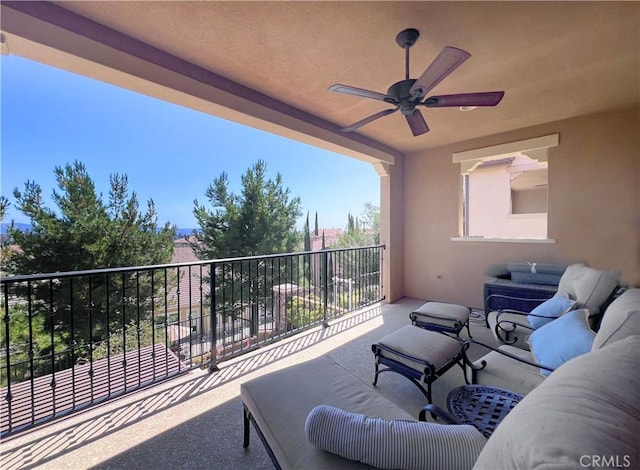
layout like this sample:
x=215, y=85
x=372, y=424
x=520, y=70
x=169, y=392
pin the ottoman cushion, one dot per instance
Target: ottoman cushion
x=434, y=348
x=443, y=314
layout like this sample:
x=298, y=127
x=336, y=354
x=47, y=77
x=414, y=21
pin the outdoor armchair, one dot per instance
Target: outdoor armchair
x=580, y=287
x=552, y=345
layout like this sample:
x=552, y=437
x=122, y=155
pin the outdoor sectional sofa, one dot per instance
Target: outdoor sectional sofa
x=318, y=415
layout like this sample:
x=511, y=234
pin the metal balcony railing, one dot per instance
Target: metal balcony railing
x=73, y=340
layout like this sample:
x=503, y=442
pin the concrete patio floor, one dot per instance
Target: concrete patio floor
x=195, y=421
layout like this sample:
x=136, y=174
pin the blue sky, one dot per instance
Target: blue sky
x=170, y=154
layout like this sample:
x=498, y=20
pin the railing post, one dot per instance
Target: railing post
x=325, y=286
x=213, y=366
x=381, y=294
x=7, y=319
x=253, y=299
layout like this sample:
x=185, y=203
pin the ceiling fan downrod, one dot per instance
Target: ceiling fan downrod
x=405, y=39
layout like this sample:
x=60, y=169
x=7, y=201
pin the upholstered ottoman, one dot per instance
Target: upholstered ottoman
x=420, y=355
x=438, y=316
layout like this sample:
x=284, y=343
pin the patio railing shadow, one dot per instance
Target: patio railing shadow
x=61, y=436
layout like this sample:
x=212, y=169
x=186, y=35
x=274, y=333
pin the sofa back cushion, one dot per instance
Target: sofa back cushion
x=590, y=287
x=621, y=319
x=587, y=409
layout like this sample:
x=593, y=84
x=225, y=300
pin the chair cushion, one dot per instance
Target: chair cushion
x=393, y=444
x=441, y=313
x=435, y=348
x=590, y=287
x=587, y=408
x=556, y=306
x=621, y=319
x=562, y=339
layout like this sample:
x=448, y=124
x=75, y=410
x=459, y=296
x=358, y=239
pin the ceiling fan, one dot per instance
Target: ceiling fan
x=409, y=93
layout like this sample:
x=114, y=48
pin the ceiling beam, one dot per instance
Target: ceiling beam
x=48, y=33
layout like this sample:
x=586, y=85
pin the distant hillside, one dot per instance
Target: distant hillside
x=4, y=227
x=184, y=232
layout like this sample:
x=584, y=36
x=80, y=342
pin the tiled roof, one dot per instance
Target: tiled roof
x=182, y=251
x=189, y=284
x=83, y=384
x=331, y=236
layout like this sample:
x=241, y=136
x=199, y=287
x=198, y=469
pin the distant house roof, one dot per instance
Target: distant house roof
x=331, y=236
x=5, y=255
x=183, y=252
x=88, y=383
x=189, y=286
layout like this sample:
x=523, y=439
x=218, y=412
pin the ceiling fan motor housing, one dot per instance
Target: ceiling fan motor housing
x=399, y=91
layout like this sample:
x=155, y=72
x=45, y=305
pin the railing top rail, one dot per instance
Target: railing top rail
x=125, y=269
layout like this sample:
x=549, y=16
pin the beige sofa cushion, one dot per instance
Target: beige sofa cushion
x=588, y=408
x=621, y=319
x=280, y=402
x=590, y=287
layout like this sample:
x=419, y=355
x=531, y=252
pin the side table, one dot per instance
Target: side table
x=481, y=406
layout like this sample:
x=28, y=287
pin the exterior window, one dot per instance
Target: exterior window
x=506, y=198
x=505, y=189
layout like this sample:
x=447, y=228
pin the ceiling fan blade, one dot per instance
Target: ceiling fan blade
x=367, y=120
x=489, y=98
x=351, y=90
x=449, y=59
x=417, y=123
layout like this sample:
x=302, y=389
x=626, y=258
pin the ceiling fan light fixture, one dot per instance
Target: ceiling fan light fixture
x=467, y=108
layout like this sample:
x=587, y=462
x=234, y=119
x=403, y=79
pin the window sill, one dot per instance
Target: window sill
x=503, y=240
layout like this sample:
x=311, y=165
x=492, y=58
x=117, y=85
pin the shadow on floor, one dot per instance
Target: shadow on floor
x=210, y=436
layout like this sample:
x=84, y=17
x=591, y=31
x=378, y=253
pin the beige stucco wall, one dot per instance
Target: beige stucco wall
x=594, y=209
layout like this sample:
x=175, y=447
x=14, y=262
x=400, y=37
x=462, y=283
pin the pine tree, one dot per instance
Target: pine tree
x=258, y=221
x=86, y=233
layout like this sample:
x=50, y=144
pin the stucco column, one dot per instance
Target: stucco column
x=392, y=227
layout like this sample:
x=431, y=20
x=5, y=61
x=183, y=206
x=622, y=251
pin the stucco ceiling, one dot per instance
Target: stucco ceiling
x=554, y=60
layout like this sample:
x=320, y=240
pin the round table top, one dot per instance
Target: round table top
x=481, y=406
